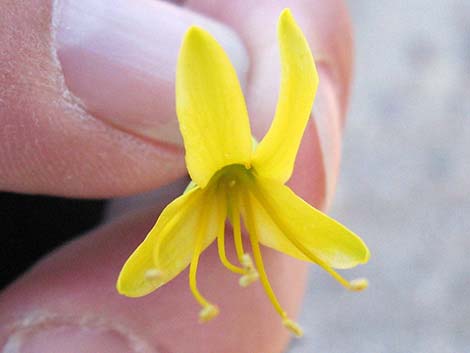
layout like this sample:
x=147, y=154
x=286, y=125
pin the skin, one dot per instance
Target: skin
x=47, y=146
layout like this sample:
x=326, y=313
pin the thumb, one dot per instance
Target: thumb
x=87, y=94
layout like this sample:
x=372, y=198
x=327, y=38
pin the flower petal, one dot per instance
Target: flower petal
x=174, y=250
x=211, y=109
x=279, y=211
x=275, y=156
x=176, y=225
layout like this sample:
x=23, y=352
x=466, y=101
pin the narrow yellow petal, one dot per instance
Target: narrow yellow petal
x=174, y=250
x=140, y=276
x=169, y=246
x=211, y=109
x=280, y=213
x=275, y=155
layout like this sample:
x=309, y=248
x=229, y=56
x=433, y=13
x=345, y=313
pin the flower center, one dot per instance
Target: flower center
x=232, y=181
x=231, y=176
x=234, y=188
x=233, y=184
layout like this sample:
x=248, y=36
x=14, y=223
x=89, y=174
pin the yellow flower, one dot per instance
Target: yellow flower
x=234, y=178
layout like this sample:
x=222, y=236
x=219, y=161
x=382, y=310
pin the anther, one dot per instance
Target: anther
x=153, y=274
x=232, y=183
x=358, y=284
x=248, y=279
x=251, y=275
x=293, y=327
x=247, y=262
x=208, y=312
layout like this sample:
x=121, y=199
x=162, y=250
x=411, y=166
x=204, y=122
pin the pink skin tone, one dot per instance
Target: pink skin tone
x=54, y=143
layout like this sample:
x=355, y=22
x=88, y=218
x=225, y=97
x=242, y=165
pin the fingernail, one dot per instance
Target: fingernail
x=327, y=116
x=71, y=338
x=119, y=56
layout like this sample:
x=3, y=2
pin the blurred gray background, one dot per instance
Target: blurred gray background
x=404, y=186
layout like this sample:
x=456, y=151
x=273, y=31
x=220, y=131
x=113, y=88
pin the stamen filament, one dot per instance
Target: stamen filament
x=222, y=255
x=192, y=273
x=222, y=207
x=259, y=262
x=354, y=285
x=208, y=310
x=250, y=274
x=291, y=325
x=263, y=276
x=234, y=217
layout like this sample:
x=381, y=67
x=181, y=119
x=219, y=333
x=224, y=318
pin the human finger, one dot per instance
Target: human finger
x=248, y=323
x=87, y=94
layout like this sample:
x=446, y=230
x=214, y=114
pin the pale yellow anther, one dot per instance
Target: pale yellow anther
x=358, y=284
x=208, y=312
x=232, y=183
x=153, y=274
x=251, y=275
x=247, y=262
x=248, y=279
x=293, y=327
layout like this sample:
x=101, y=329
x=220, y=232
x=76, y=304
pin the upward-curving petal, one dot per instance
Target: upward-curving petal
x=211, y=109
x=275, y=155
x=168, y=247
x=280, y=214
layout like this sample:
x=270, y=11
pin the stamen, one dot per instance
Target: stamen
x=247, y=262
x=354, y=285
x=192, y=280
x=359, y=284
x=248, y=279
x=293, y=327
x=221, y=239
x=209, y=311
x=237, y=234
x=263, y=276
x=259, y=262
x=250, y=274
x=223, y=256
